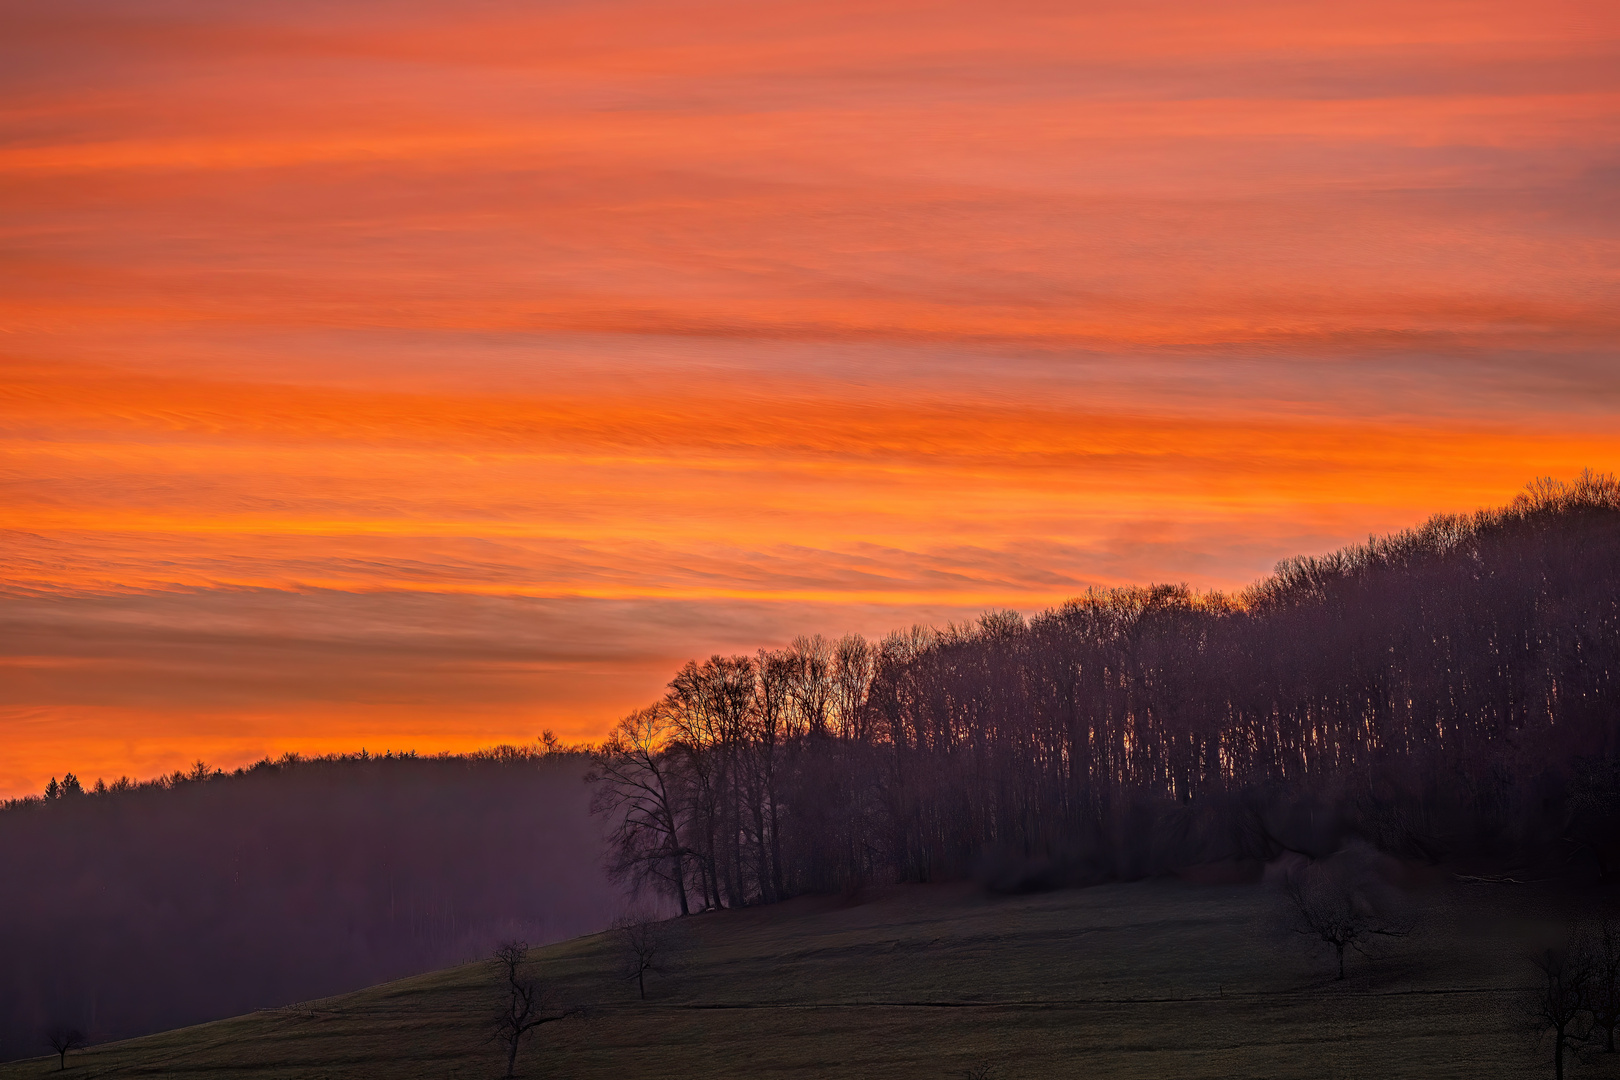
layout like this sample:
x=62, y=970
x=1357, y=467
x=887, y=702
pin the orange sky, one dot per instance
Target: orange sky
x=423, y=375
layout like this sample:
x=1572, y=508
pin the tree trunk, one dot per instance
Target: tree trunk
x=1558, y=1053
x=713, y=881
x=776, y=848
x=511, y=1057
x=680, y=882
x=1341, y=961
x=766, y=894
x=641, y=982
x=739, y=898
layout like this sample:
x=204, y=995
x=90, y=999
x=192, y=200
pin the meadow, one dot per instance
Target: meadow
x=1158, y=978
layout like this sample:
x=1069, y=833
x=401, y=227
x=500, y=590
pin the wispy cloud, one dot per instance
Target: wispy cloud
x=399, y=372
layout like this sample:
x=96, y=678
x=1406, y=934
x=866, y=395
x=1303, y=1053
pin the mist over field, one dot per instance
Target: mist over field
x=134, y=911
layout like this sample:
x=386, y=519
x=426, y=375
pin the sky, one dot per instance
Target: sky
x=425, y=375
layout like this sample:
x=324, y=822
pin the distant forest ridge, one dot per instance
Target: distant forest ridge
x=208, y=894
x=70, y=786
x=1445, y=693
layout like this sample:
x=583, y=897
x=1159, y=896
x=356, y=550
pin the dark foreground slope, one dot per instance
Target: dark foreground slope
x=1149, y=979
x=137, y=910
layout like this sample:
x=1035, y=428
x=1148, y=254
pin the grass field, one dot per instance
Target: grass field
x=1151, y=979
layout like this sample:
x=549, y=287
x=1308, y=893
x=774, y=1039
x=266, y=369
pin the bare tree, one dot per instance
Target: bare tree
x=644, y=944
x=1561, y=998
x=62, y=1039
x=768, y=725
x=812, y=686
x=1602, y=962
x=709, y=705
x=635, y=778
x=523, y=1005
x=1337, y=904
x=854, y=664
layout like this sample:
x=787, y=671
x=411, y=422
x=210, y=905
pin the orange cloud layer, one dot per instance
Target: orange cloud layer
x=405, y=375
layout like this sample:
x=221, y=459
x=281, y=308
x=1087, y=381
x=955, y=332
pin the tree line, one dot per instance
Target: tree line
x=548, y=748
x=1445, y=692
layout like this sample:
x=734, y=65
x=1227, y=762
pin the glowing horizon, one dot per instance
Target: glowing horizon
x=402, y=376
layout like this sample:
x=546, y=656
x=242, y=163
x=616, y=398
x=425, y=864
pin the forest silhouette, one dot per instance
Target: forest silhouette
x=1444, y=694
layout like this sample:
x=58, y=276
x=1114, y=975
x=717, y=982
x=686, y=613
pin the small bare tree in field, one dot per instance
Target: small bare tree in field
x=1560, y=1000
x=644, y=944
x=523, y=1004
x=1342, y=908
x=62, y=1039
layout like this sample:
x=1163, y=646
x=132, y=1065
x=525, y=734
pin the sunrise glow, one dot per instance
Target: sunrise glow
x=377, y=375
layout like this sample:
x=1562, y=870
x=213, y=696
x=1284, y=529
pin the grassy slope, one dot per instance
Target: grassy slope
x=1153, y=979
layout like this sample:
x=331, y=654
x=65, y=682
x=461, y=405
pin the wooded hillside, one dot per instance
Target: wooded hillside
x=208, y=894
x=1446, y=693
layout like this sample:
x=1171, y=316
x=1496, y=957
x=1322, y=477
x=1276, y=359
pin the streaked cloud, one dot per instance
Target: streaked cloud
x=402, y=373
